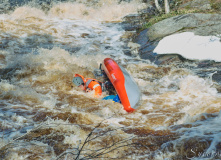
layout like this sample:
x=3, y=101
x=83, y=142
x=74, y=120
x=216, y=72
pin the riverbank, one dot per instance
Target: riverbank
x=190, y=33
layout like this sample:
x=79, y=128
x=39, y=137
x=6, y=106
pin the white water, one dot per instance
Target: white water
x=40, y=54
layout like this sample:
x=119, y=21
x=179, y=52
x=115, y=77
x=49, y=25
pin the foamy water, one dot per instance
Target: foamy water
x=44, y=116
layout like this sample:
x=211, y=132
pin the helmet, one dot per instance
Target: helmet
x=78, y=81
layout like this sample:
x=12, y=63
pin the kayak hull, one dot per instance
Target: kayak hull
x=127, y=89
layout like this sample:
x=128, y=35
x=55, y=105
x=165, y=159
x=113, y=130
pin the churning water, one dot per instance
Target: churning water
x=44, y=116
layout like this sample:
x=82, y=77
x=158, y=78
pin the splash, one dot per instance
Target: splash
x=28, y=12
x=202, y=97
x=104, y=10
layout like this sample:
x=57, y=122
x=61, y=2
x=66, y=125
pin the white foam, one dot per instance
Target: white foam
x=72, y=140
x=199, y=94
x=115, y=121
x=191, y=46
x=19, y=119
x=104, y=10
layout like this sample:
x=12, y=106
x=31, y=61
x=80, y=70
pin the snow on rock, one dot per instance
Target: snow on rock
x=191, y=46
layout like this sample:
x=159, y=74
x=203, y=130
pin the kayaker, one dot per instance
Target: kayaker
x=107, y=86
x=88, y=84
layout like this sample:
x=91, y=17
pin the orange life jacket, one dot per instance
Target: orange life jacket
x=92, y=84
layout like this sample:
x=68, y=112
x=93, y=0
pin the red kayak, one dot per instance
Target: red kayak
x=127, y=89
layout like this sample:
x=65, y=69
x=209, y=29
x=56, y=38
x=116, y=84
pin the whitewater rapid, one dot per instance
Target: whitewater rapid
x=44, y=116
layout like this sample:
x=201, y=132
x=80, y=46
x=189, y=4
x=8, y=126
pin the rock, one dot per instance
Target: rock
x=134, y=48
x=142, y=38
x=133, y=22
x=199, y=23
x=127, y=38
x=197, y=4
x=146, y=46
x=128, y=35
x=165, y=59
x=217, y=77
x=148, y=12
x=208, y=64
x=127, y=51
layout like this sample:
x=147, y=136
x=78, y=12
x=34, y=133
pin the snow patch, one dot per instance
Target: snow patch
x=191, y=46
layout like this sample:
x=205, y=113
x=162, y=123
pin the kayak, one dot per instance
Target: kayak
x=127, y=89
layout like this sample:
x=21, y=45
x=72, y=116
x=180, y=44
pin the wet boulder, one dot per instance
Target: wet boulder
x=217, y=77
x=146, y=46
x=198, y=23
x=209, y=64
x=132, y=22
x=166, y=59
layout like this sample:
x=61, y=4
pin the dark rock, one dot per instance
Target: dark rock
x=127, y=52
x=217, y=77
x=147, y=52
x=129, y=27
x=165, y=59
x=132, y=22
x=146, y=46
x=206, y=64
x=142, y=38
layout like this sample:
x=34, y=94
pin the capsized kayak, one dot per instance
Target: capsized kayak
x=127, y=89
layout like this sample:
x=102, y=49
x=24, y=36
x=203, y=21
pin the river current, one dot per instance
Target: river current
x=44, y=116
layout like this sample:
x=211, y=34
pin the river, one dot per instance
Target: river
x=44, y=116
